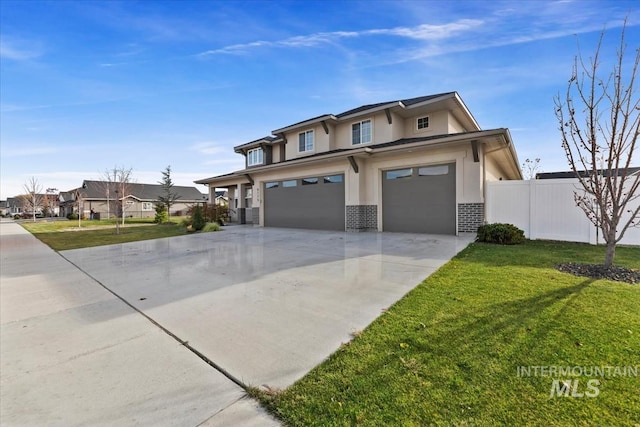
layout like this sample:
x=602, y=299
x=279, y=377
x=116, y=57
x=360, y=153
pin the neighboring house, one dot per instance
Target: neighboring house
x=14, y=206
x=570, y=174
x=67, y=203
x=4, y=208
x=105, y=199
x=221, y=198
x=412, y=165
x=18, y=206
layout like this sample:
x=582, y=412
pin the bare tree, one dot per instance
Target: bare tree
x=117, y=188
x=530, y=168
x=32, y=199
x=599, y=118
x=49, y=202
x=168, y=197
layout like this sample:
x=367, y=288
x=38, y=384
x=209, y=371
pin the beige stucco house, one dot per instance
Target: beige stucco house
x=412, y=165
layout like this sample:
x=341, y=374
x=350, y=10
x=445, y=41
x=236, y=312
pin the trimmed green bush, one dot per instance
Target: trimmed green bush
x=211, y=226
x=72, y=216
x=502, y=234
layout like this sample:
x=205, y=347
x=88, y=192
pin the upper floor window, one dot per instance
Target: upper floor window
x=255, y=157
x=361, y=132
x=423, y=123
x=305, y=141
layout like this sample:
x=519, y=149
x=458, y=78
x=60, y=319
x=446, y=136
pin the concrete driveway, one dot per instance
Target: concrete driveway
x=73, y=354
x=266, y=305
x=156, y=332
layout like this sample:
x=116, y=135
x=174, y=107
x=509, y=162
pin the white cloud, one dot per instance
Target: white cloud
x=429, y=32
x=420, y=32
x=18, y=51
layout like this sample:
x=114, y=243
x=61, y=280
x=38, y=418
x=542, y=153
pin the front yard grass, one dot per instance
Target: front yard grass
x=448, y=353
x=63, y=235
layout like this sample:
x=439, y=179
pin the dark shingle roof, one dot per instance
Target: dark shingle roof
x=406, y=102
x=255, y=142
x=147, y=192
x=571, y=174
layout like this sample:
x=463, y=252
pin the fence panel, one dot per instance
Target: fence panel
x=545, y=209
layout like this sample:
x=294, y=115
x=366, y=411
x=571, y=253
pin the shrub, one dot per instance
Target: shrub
x=503, y=234
x=212, y=212
x=211, y=226
x=161, y=214
x=72, y=216
x=197, y=220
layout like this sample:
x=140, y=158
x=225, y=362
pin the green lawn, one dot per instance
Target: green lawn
x=448, y=353
x=63, y=235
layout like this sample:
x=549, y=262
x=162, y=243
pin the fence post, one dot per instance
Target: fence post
x=531, y=211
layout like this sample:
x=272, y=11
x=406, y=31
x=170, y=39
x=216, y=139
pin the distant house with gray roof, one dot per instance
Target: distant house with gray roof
x=106, y=199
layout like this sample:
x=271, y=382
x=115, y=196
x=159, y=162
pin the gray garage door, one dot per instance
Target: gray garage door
x=420, y=199
x=314, y=202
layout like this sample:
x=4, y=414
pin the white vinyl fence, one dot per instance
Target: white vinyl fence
x=545, y=209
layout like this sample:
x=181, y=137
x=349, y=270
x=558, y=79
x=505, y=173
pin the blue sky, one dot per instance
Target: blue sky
x=89, y=85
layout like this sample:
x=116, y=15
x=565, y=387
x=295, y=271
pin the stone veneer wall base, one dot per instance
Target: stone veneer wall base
x=470, y=217
x=361, y=218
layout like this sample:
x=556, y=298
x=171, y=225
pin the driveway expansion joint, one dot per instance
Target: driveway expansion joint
x=182, y=342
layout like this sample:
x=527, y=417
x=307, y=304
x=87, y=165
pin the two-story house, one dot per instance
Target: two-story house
x=412, y=165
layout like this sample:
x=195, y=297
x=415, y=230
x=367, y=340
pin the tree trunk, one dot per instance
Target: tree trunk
x=610, y=254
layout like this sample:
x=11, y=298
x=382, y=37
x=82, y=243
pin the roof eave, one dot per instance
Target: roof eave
x=372, y=110
x=306, y=123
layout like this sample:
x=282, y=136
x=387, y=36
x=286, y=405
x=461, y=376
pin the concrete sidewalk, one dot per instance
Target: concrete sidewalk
x=71, y=353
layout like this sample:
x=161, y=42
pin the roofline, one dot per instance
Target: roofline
x=369, y=150
x=305, y=123
x=277, y=133
x=257, y=142
x=458, y=98
x=373, y=110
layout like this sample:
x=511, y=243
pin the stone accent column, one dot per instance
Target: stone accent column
x=470, y=217
x=361, y=218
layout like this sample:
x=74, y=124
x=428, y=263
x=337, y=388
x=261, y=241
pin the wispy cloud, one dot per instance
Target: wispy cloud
x=27, y=151
x=18, y=50
x=208, y=148
x=425, y=32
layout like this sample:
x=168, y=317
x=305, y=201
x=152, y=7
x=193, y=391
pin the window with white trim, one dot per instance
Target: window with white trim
x=255, y=157
x=422, y=123
x=361, y=132
x=147, y=206
x=305, y=141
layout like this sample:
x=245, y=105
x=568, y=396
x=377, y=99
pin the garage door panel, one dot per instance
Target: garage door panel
x=423, y=201
x=316, y=206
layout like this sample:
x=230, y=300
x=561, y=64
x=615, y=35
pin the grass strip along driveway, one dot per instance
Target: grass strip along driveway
x=449, y=352
x=63, y=235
